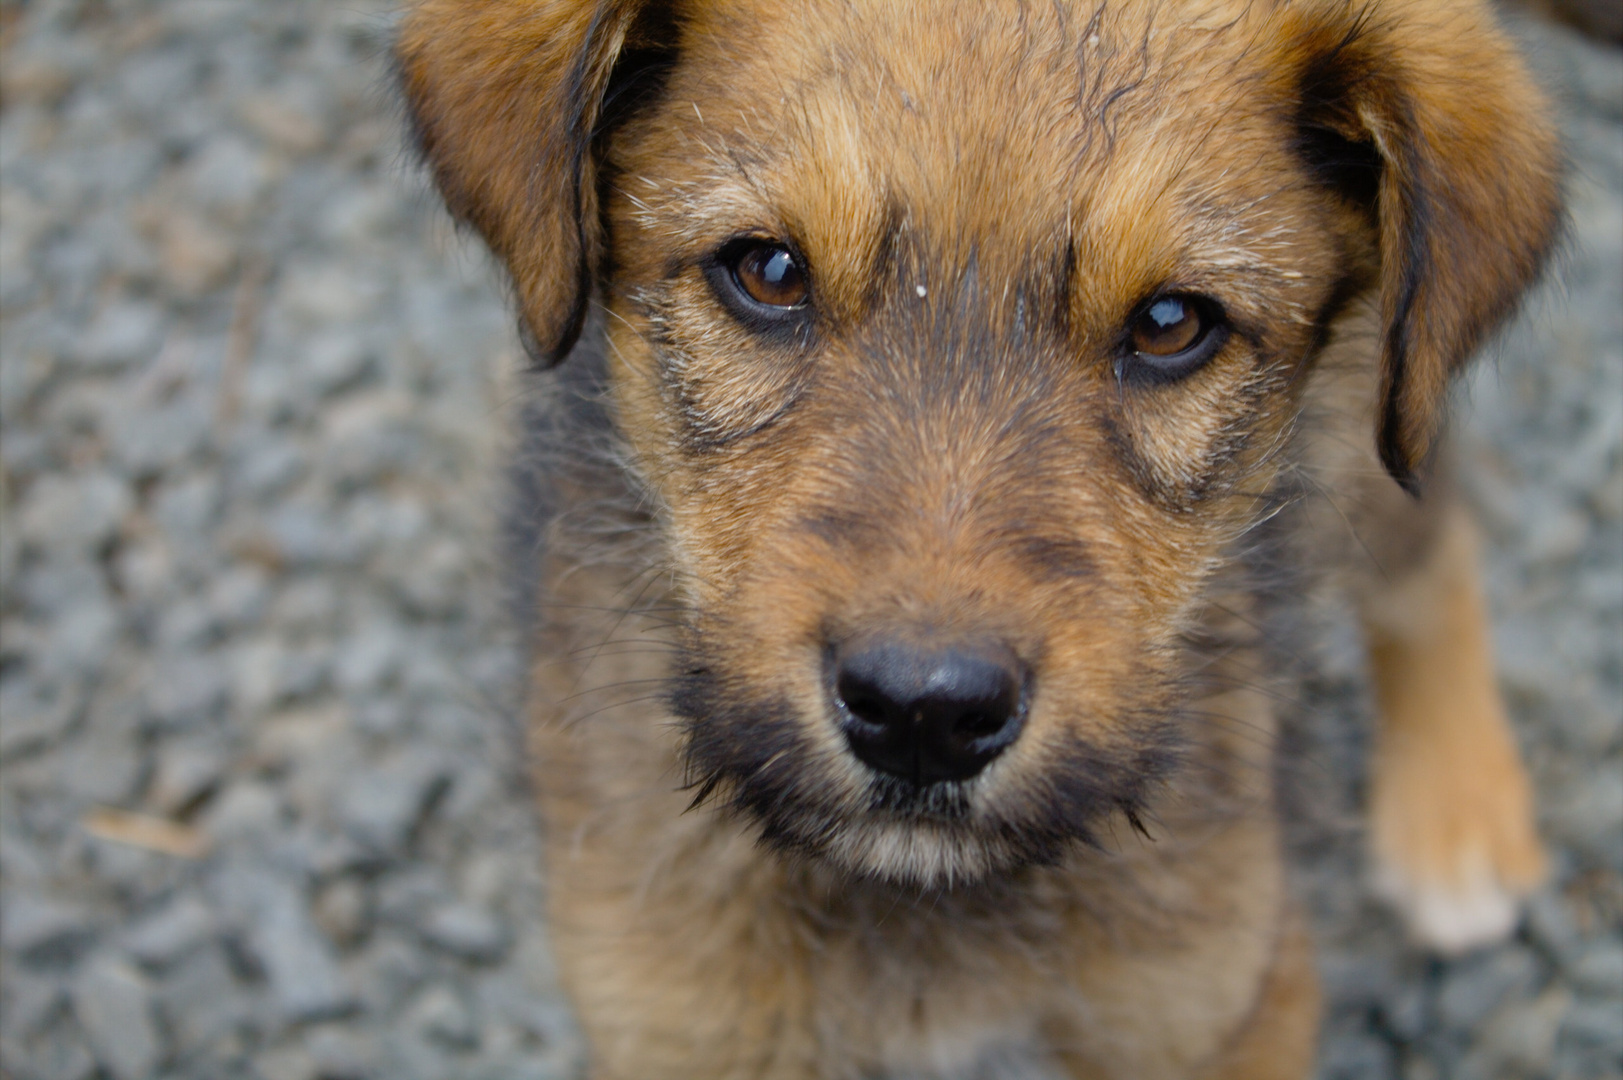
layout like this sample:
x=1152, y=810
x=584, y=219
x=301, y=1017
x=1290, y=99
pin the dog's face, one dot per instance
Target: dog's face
x=959, y=346
x=956, y=366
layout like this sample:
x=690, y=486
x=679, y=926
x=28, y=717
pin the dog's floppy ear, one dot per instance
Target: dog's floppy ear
x=1423, y=112
x=505, y=97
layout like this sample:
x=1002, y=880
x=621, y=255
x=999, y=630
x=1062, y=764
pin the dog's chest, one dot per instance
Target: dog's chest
x=958, y=1043
x=990, y=1059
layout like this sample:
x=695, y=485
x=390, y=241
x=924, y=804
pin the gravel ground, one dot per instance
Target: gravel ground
x=260, y=813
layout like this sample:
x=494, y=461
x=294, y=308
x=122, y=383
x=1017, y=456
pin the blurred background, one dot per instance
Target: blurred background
x=261, y=812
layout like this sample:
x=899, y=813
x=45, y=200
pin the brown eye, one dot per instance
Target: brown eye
x=1167, y=327
x=770, y=275
x=1172, y=336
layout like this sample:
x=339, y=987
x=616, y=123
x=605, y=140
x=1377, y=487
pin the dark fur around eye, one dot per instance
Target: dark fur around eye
x=1170, y=336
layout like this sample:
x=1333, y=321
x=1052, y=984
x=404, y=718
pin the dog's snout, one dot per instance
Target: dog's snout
x=928, y=715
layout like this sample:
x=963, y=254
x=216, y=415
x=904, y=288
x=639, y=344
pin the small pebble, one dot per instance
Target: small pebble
x=113, y=1004
x=163, y=936
x=471, y=932
x=440, y=1014
x=1599, y=969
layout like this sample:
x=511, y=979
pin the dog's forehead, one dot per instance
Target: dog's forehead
x=991, y=125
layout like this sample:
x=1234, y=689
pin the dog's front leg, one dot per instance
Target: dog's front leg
x=1451, y=816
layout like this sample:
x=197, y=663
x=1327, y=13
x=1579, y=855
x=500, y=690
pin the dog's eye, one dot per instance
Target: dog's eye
x=1167, y=327
x=770, y=274
x=1174, y=334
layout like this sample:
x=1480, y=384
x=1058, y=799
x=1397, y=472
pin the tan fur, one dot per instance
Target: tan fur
x=948, y=450
x=1451, y=818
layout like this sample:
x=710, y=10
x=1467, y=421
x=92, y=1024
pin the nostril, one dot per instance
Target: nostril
x=928, y=715
x=978, y=725
x=862, y=699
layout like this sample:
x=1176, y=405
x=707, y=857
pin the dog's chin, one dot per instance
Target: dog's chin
x=941, y=837
x=925, y=855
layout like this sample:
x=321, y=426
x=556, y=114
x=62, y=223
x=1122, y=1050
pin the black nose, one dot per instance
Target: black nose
x=928, y=716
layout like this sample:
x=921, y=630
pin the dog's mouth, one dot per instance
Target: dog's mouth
x=900, y=793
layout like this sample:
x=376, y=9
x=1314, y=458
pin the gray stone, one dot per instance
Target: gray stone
x=369, y=435
x=151, y=82
x=435, y=583
x=388, y=969
x=186, y=509
x=405, y=895
x=185, y=625
x=1595, y=1024
x=81, y=639
x=26, y=221
x=1476, y=985
x=1599, y=968
x=441, y=1014
x=134, y=873
x=305, y=670
x=45, y=930
x=271, y=397
x=267, y=673
x=381, y=807
x=378, y=522
x=1594, y=803
x=104, y=764
x=341, y=1054
x=380, y=717
x=164, y=936
x=323, y=293
x=29, y=1002
x=1521, y=1035
x=187, y=689
x=202, y=1002
x=1357, y=1057
x=229, y=175
x=1550, y=921
x=369, y=658
x=265, y=466
x=113, y=1004
x=335, y=362
x=78, y=512
x=57, y=1053
x=246, y=810
x=22, y=860
x=287, y=1063
x=122, y=334
x=35, y=715
x=186, y=773
x=304, y=975
x=68, y=578
x=239, y=596
x=144, y=569
x=497, y=1068
x=1406, y=1010
x=471, y=932
x=308, y=604
x=414, y=1058
x=256, y=673
x=147, y=443
x=342, y=910
x=304, y=537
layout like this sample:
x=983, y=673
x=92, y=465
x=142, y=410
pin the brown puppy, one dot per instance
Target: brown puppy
x=969, y=379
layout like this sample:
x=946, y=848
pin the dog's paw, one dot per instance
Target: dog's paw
x=1455, y=848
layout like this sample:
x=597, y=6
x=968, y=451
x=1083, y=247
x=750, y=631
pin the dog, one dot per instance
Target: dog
x=950, y=399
